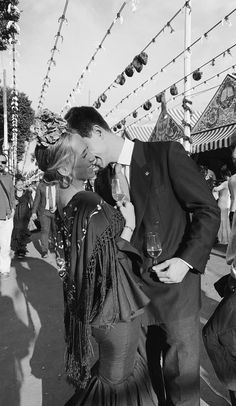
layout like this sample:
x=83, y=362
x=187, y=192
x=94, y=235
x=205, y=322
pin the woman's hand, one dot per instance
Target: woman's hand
x=127, y=210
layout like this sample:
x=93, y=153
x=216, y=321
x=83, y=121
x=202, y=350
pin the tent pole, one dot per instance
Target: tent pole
x=187, y=76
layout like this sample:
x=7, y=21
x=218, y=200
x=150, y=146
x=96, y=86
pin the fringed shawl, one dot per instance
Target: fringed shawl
x=92, y=260
x=90, y=272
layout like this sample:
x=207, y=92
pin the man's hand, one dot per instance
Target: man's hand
x=171, y=271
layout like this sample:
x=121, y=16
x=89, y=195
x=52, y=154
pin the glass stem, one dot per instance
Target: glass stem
x=154, y=262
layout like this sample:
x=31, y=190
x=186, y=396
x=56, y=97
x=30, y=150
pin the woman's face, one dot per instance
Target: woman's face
x=85, y=162
x=19, y=185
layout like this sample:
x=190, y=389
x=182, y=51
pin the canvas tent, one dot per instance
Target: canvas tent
x=218, y=121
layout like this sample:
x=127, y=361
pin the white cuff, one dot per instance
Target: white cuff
x=233, y=271
x=190, y=266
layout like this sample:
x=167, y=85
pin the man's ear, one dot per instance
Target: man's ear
x=97, y=131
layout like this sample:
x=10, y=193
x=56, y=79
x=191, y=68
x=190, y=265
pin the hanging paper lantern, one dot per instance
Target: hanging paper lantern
x=137, y=64
x=103, y=97
x=135, y=114
x=197, y=74
x=159, y=98
x=97, y=104
x=129, y=71
x=114, y=129
x=147, y=105
x=120, y=80
x=173, y=90
x=143, y=58
x=119, y=126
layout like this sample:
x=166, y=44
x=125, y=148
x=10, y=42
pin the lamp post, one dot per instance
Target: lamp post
x=187, y=76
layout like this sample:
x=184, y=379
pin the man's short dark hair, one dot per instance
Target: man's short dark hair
x=82, y=119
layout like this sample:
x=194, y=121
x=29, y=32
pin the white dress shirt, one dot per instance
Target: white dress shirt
x=125, y=158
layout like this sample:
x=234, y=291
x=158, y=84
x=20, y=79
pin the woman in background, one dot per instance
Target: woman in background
x=224, y=205
x=98, y=265
x=21, y=234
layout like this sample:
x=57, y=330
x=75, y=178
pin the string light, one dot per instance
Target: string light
x=179, y=55
x=100, y=46
x=153, y=40
x=185, y=77
x=51, y=62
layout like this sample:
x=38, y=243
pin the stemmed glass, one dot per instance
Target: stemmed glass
x=153, y=245
x=116, y=190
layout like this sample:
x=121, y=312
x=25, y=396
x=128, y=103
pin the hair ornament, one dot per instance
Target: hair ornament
x=49, y=127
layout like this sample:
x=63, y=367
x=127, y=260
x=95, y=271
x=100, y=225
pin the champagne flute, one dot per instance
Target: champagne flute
x=116, y=190
x=153, y=245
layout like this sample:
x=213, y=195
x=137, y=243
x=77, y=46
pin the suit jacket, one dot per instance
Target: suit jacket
x=166, y=187
x=39, y=203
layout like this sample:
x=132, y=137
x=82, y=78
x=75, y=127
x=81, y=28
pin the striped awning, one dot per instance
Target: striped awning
x=178, y=116
x=143, y=132
x=212, y=139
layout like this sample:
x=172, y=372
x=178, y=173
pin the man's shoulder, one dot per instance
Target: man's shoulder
x=161, y=146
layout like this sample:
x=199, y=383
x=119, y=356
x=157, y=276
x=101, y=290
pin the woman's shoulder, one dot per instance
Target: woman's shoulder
x=88, y=197
x=90, y=200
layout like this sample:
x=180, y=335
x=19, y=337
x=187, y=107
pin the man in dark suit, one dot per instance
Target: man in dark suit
x=44, y=207
x=167, y=190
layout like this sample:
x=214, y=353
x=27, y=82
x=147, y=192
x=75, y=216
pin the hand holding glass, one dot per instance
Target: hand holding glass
x=153, y=246
x=116, y=190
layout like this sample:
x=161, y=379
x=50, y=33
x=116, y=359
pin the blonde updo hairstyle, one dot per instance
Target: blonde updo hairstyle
x=55, y=148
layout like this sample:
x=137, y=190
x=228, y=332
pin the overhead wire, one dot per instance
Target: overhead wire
x=51, y=62
x=226, y=18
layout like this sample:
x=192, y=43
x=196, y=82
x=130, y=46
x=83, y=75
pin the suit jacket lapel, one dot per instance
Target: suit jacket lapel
x=140, y=181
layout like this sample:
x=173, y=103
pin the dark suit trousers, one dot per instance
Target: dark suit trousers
x=173, y=354
x=47, y=222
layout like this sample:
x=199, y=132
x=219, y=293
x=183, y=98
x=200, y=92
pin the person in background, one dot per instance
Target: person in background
x=232, y=191
x=224, y=205
x=34, y=224
x=21, y=234
x=7, y=210
x=97, y=264
x=44, y=206
x=166, y=190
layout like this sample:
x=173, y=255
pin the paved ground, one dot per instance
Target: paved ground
x=31, y=339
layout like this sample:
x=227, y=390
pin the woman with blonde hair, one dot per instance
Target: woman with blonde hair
x=98, y=266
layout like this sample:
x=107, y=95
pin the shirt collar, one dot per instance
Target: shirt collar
x=126, y=153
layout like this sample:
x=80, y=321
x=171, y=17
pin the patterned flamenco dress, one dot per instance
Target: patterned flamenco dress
x=21, y=234
x=103, y=300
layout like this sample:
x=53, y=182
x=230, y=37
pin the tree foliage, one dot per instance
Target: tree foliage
x=25, y=120
x=9, y=15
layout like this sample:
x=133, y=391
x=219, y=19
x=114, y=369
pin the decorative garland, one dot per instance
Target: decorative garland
x=138, y=61
x=14, y=107
x=146, y=106
x=183, y=101
x=78, y=85
x=51, y=61
x=196, y=74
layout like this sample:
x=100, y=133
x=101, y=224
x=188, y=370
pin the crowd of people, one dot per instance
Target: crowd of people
x=140, y=303
x=25, y=207
x=224, y=192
